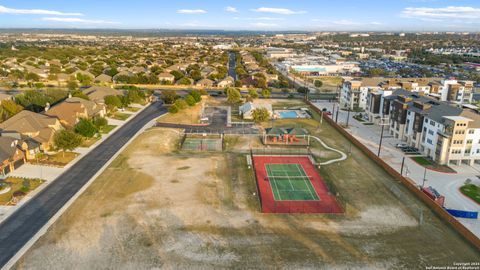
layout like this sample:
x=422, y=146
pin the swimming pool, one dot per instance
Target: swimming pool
x=287, y=114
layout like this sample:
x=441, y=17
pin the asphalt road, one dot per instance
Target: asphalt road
x=24, y=223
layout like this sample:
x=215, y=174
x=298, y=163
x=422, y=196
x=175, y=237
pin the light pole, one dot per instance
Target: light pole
x=380, y=144
x=424, y=177
x=348, y=116
x=403, y=163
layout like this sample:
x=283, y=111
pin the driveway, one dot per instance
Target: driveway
x=24, y=223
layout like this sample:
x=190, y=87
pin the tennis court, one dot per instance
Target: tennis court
x=289, y=182
x=202, y=142
x=292, y=184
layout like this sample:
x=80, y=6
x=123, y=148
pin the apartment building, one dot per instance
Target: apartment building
x=445, y=132
x=355, y=93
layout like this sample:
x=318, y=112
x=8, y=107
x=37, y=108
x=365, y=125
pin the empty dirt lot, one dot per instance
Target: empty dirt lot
x=155, y=207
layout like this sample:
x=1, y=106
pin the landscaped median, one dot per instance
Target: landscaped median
x=13, y=189
x=431, y=165
x=472, y=191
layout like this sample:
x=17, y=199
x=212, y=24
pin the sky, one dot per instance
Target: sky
x=270, y=15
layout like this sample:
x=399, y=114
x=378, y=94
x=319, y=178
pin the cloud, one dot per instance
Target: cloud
x=259, y=18
x=264, y=25
x=282, y=11
x=77, y=20
x=191, y=11
x=5, y=10
x=231, y=9
x=451, y=12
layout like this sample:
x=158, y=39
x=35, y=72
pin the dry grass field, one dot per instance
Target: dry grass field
x=156, y=207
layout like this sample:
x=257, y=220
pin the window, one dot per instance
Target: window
x=431, y=132
x=471, y=131
x=429, y=141
x=469, y=141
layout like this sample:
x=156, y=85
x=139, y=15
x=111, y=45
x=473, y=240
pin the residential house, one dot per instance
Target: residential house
x=103, y=78
x=70, y=111
x=228, y=81
x=204, y=83
x=11, y=156
x=246, y=110
x=98, y=93
x=39, y=127
x=166, y=77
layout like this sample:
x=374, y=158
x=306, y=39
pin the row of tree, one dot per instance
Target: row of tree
x=182, y=103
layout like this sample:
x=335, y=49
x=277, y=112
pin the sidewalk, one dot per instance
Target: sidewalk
x=446, y=184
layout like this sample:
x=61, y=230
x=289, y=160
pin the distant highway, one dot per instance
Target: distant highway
x=24, y=223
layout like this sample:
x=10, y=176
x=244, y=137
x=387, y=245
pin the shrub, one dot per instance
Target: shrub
x=190, y=100
x=196, y=95
x=86, y=128
x=173, y=109
x=181, y=104
x=100, y=122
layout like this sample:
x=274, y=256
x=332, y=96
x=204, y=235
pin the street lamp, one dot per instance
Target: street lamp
x=348, y=116
x=424, y=177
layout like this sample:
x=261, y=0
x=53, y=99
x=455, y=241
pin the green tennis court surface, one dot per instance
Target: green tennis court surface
x=289, y=182
x=194, y=144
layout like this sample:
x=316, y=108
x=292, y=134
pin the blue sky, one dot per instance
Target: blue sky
x=311, y=15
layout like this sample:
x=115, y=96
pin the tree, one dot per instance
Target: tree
x=67, y=140
x=72, y=84
x=86, y=128
x=100, y=122
x=184, y=81
x=173, y=109
x=196, y=75
x=190, y=100
x=181, y=104
x=260, y=115
x=177, y=74
x=253, y=93
x=32, y=77
x=11, y=108
x=113, y=101
x=80, y=94
x=303, y=90
x=266, y=93
x=169, y=96
x=196, y=95
x=85, y=80
x=233, y=96
x=318, y=83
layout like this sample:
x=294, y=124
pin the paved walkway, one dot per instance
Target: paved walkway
x=446, y=184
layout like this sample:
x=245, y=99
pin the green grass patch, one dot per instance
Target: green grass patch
x=133, y=109
x=59, y=159
x=121, y=116
x=106, y=129
x=19, y=187
x=422, y=161
x=472, y=191
x=87, y=142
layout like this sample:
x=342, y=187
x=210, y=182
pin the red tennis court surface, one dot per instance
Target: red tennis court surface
x=326, y=204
